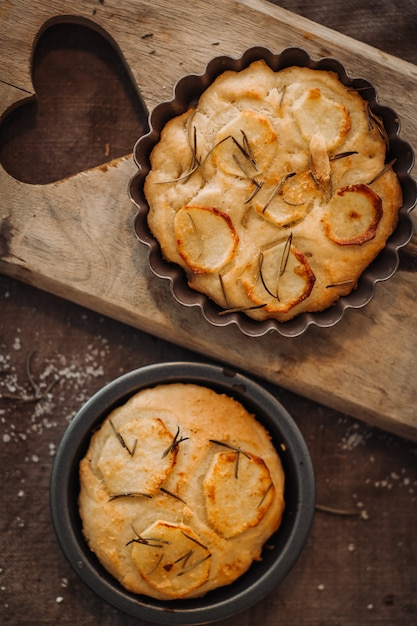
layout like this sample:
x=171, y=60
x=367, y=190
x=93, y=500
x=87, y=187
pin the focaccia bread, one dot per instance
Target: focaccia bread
x=180, y=489
x=273, y=193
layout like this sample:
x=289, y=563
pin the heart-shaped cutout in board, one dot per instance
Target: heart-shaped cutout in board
x=86, y=110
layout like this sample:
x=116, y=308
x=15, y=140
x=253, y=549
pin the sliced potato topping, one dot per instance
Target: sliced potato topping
x=206, y=238
x=314, y=110
x=130, y=455
x=238, y=491
x=320, y=162
x=280, y=278
x=353, y=214
x=171, y=558
x=287, y=200
x=246, y=144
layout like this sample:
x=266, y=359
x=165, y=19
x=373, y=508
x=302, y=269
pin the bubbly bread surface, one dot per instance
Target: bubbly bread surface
x=273, y=193
x=180, y=489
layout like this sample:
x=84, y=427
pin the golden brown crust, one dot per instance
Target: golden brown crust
x=175, y=516
x=274, y=153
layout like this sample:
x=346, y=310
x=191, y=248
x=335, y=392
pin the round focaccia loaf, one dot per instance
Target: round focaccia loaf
x=273, y=194
x=180, y=489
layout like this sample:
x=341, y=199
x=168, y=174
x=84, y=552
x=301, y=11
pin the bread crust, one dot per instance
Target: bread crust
x=270, y=151
x=197, y=513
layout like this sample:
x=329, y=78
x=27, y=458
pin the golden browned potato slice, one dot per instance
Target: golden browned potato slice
x=206, y=238
x=132, y=460
x=171, y=558
x=238, y=491
x=287, y=200
x=314, y=111
x=280, y=278
x=353, y=214
x=246, y=145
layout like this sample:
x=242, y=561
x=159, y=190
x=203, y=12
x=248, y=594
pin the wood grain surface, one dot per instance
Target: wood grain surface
x=359, y=565
x=85, y=220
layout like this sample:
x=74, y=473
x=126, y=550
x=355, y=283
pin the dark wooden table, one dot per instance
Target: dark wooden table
x=356, y=569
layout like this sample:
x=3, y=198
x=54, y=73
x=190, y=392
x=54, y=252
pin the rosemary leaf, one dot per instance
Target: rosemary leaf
x=129, y=494
x=277, y=189
x=181, y=178
x=334, y=511
x=193, y=565
x=385, y=169
x=157, y=564
x=261, y=276
x=185, y=558
x=268, y=489
x=122, y=441
x=246, y=154
x=342, y=155
x=223, y=290
x=340, y=284
x=173, y=495
x=242, y=309
x=194, y=540
x=175, y=443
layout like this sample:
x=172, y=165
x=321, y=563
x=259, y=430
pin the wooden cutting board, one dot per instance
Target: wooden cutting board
x=74, y=238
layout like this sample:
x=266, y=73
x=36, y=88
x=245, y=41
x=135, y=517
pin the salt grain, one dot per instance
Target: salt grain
x=59, y=599
x=17, y=345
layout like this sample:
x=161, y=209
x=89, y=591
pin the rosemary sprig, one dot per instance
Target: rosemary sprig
x=335, y=511
x=175, y=443
x=281, y=269
x=342, y=155
x=236, y=449
x=197, y=233
x=385, y=169
x=195, y=163
x=285, y=255
x=245, y=149
x=340, y=284
x=224, y=291
x=242, y=309
x=173, y=495
x=210, y=152
x=180, y=178
x=261, y=276
x=277, y=189
x=248, y=147
x=194, y=540
x=122, y=441
x=184, y=558
x=193, y=565
x=152, y=542
x=157, y=564
x=268, y=489
x=129, y=494
x=374, y=122
x=258, y=187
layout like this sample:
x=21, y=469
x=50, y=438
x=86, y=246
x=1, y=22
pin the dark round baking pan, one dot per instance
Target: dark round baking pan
x=186, y=93
x=284, y=547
